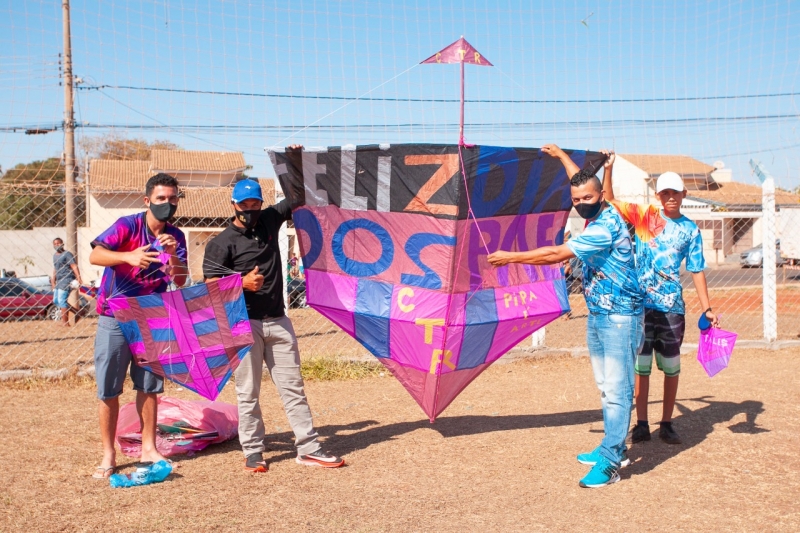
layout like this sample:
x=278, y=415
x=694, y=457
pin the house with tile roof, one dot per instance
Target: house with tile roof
x=727, y=212
x=116, y=188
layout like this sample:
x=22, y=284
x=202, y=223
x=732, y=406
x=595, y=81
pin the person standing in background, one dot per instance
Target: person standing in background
x=65, y=272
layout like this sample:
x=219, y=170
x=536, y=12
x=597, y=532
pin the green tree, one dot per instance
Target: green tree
x=32, y=195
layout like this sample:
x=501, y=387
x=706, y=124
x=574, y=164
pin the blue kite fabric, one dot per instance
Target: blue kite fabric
x=393, y=256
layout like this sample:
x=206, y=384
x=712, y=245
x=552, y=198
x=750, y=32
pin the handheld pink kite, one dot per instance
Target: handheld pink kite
x=195, y=336
x=714, y=350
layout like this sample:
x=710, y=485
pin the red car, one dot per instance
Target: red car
x=20, y=300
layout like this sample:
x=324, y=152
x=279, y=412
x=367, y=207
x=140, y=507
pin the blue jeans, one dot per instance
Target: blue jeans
x=614, y=341
x=60, y=298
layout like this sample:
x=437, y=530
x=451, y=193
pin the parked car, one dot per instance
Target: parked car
x=754, y=257
x=41, y=283
x=296, y=289
x=19, y=300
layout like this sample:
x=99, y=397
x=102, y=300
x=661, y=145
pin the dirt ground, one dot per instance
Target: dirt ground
x=501, y=457
x=41, y=344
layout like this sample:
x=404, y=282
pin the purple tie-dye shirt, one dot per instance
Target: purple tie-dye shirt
x=125, y=235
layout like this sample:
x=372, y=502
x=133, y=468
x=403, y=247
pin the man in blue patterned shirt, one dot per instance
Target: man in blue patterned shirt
x=616, y=310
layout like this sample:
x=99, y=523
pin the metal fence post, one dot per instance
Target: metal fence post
x=770, y=297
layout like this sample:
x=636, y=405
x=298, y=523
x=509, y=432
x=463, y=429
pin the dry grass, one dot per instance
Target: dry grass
x=339, y=369
x=502, y=457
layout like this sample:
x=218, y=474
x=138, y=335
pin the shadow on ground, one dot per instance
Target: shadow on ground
x=694, y=426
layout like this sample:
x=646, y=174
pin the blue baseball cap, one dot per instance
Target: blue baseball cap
x=246, y=190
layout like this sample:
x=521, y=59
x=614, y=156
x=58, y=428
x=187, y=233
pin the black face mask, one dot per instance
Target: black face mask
x=589, y=211
x=163, y=212
x=249, y=218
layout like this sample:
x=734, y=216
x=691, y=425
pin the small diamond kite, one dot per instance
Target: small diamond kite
x=195, y=336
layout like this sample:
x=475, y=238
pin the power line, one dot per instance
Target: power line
x=440, y=100
x=229, y=128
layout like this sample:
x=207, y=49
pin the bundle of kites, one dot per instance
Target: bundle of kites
x=394, y=240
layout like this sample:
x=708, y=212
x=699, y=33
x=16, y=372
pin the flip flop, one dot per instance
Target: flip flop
x=100, y=472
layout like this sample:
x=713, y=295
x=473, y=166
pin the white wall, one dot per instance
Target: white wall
x=30, y=252
x=630, y=182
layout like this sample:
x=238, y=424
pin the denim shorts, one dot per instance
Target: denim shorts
x=112, y=356
x=60, y=298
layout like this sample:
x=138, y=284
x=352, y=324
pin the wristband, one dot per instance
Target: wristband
x=707, y=311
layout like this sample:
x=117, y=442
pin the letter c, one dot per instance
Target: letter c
x=402, y=293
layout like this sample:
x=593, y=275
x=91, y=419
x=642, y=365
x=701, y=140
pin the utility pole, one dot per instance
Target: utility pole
x=69, y=138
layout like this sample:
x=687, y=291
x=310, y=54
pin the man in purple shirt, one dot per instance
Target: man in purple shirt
x=141, y=254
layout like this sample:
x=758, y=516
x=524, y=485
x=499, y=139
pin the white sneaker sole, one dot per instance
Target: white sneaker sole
x=317, y=463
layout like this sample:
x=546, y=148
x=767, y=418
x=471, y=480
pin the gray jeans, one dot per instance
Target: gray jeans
x=275, y=344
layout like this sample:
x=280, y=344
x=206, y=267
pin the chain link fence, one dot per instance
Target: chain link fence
x=756, y=292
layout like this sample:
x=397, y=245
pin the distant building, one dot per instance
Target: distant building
x=116, y=188
x=727, y=212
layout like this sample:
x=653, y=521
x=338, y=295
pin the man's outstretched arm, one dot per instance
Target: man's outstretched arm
x=569, y=165
x=546, y=255
x=608, y=169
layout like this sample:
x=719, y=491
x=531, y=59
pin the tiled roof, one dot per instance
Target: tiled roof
x=214, y=202
x=118, y=176
x=740, y=194
x=656, y=165
x=191, y=160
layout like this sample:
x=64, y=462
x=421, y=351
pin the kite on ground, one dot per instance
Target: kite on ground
x=195, y=336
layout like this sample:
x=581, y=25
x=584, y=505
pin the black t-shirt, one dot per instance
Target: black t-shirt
x=241, y=250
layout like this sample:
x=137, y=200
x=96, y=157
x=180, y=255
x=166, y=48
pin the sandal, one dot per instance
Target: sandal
x=102, y=472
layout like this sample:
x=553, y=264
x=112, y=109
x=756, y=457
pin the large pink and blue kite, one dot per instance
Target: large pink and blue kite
x=394, y=242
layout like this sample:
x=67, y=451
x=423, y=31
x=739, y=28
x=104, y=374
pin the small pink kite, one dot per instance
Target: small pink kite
x=715, y=349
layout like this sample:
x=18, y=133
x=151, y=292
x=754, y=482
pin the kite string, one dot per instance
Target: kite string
x=470, y=212
x=280, y=143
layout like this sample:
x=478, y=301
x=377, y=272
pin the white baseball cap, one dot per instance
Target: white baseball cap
x=669, y=180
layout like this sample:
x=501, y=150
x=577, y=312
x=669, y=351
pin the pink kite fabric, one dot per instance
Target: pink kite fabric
x=393, y=257
x=219, y=417
x=195, y=336
x=459, y=52
x=714, y=350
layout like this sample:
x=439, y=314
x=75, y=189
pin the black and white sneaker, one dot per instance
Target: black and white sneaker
x=320, y=458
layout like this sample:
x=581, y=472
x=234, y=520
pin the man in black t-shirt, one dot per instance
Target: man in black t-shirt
x=249, y=246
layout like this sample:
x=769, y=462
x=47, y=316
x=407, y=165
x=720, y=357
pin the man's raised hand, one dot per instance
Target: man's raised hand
x=611, y=157
x=553, y=150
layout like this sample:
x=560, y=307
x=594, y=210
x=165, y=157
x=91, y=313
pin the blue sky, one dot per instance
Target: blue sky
x=666, y=66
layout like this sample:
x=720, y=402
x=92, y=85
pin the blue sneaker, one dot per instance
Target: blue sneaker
x=602, y=473
x=593, y=456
